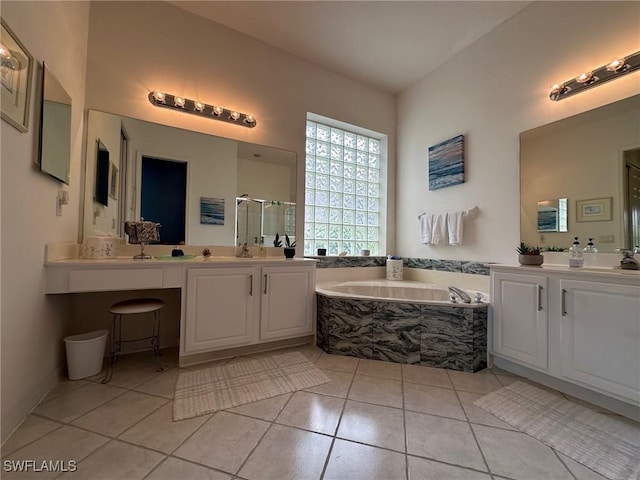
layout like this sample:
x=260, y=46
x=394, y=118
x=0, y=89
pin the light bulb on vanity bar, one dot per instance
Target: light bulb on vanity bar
x=585, y=77
x=217, y=111
x=159, y=96
x=616, y=65
x=179, y=102
x=234, y=115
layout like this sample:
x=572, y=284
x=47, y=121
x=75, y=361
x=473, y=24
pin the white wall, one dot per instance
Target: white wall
x=33, y=324
x=490, y=92
x=266, y=181
x=135, y=47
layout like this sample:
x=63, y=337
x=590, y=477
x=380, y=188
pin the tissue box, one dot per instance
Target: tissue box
x=394, y=269
x=100, y=247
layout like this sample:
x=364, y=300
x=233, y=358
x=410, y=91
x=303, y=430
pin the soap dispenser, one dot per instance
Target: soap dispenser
x=576, y=259
x=590, y=248
x=262, y=251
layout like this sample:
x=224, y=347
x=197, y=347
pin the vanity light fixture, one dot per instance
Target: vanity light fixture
x=167, y=100
x=614, y=69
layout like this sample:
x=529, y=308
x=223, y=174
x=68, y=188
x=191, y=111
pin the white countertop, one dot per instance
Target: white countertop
x=611, y=272
x=199, y=261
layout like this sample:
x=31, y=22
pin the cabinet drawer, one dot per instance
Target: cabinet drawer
x=114, y=279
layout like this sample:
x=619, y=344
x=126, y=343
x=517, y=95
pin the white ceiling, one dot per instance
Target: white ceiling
x=389, y=45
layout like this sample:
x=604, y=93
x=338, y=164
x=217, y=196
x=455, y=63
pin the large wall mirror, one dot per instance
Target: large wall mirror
x=193, y=184
x=55, y=128
x=585, y=173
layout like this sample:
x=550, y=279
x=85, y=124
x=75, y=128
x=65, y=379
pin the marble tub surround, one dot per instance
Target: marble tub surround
x=348, y=261
x=443, y=336
x=459, y=266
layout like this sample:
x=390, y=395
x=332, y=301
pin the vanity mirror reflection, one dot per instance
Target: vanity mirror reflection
x=186, y=181
x=55, y=128
x=592, y=160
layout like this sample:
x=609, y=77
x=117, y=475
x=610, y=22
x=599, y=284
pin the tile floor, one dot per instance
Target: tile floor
x=374, y=420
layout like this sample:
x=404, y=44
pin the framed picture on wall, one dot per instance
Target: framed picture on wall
x=114, y=174
x=211, y=211
x=446, y=163
x=16, y=67
x=594, y=210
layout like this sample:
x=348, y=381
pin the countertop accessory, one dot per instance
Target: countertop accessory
x=140, y=233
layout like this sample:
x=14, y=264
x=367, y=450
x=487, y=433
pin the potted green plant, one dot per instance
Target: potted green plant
x=277, y=242
x=289, y=247
x=529, y=255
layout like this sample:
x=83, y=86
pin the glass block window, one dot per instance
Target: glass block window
x=342, y=191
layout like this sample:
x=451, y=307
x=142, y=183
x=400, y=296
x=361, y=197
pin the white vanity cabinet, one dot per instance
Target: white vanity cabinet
x=520, y=317
x=600, y=335
x=244, y=305
x=578, y=326
x=228, y=305
x=286, y=306
x=220, y=308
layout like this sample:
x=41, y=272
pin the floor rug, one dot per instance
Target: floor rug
x=208, y=390
x=601, y=442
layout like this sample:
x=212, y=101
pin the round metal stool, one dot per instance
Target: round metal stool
x=131, y=307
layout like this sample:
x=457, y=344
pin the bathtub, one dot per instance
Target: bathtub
x=396, y=291
x=403, y=322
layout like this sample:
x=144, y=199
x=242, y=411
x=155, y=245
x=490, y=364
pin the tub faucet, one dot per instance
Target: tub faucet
x=464, y=296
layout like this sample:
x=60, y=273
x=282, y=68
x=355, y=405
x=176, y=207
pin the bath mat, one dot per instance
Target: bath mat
x=600, y=442
x=217, y=388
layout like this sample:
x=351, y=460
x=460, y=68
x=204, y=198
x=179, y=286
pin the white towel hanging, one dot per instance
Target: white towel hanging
x=444, y=227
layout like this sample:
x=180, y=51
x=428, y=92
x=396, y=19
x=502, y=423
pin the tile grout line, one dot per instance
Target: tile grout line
x=404, y=425
x=271, y=424
x=335, y=435
x=556, y=453
x=473, y=433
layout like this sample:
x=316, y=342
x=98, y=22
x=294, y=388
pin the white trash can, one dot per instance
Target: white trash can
x=85, y=353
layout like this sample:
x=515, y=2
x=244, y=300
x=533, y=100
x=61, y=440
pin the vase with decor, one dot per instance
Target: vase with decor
x=529, y=255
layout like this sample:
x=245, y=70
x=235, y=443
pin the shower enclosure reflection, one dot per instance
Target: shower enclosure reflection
x=260, y=220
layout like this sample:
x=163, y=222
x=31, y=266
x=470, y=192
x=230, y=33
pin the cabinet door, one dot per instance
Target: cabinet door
x=519, y=306
x=600, y=336
x=287, y=301
x=220, y=310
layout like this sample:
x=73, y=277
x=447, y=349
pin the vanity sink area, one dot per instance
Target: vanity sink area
x=226, y=302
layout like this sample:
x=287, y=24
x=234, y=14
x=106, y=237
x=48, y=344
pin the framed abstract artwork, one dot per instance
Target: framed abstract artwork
x=211, y=211
x=446, y=163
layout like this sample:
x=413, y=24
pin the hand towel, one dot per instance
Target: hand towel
x=454, y=226
x=426, y=226
x=439, y=230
